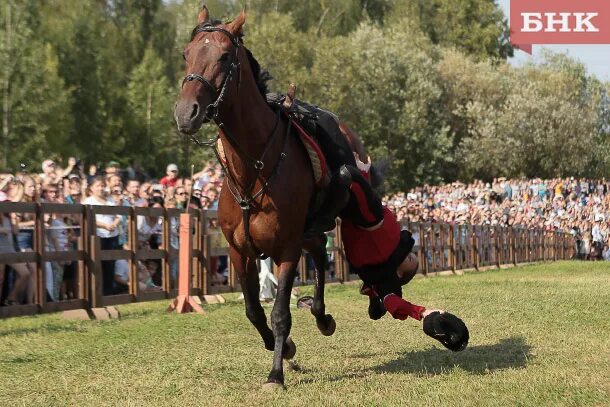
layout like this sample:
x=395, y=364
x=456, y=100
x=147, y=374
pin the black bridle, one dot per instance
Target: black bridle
x=211, y=113
x=211, y=110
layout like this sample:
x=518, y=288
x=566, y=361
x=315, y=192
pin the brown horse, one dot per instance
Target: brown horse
x=268, y=186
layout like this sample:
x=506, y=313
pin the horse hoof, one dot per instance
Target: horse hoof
x=329, y=328
x=290, y=349
x=273, y=387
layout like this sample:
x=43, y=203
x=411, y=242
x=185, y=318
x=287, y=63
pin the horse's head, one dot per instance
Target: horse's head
x=212, y=71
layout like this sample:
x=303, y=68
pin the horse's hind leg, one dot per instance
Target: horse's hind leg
x=325, y=322
x=247, y=272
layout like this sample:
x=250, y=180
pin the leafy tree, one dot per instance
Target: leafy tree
x=150, y=103
x=35, y=117
x=547, y=125
x=476, y=27
x=380, y=83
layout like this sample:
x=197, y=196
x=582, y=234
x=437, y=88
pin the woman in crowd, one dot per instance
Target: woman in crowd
x=149, y=227
x=7, y=232
x=107, y=230
x=26, y=191
x=181, y=197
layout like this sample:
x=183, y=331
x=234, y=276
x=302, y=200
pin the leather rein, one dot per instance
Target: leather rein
x=246, y=199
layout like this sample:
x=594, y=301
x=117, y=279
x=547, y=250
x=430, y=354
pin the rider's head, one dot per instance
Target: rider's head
x=407, y=269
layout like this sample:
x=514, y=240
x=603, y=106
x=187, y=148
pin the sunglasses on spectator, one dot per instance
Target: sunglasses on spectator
x=181, y=193
x=117, y=192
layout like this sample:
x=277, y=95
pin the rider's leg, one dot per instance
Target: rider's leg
x=364, y=208
x=336, y=200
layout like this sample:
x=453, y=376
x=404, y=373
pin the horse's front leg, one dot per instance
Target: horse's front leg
x=281, y=321
x=325, y=322
x=247, y=272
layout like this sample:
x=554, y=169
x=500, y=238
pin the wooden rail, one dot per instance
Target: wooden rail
x=439, y=247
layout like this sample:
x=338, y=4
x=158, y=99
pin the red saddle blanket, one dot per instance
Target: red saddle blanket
x=316, y=157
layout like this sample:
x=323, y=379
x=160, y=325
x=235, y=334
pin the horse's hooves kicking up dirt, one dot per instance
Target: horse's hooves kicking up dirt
x=291, y=349
x=328, y=327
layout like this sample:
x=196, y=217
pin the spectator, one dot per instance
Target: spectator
x=116, y=194
x=7, y=233
x=144, y=191
x=112, y=168
x=149, y=227
x=107, y=230
x=26, y=192
x=114, y=181
x=212, y=195
x=171, y=176
x=74, y=189
x=57, y=240
x=91, y=173
x=132, y=193
x=49, y=171
x=181, y=197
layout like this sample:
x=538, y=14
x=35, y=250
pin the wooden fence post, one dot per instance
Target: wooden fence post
x=95, y=271
x=40, y=293
x=453, y=257
x=184, y=302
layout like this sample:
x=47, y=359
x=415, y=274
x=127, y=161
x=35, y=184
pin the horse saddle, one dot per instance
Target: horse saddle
x=319, y=132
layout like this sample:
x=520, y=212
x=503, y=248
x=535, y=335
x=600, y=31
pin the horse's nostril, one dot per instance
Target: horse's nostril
x=195, y=111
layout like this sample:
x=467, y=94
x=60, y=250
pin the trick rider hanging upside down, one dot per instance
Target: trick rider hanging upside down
x=380, y=253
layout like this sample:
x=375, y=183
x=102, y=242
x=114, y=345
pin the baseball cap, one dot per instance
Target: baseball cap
x=113, y=164
x=172, y=167
x=47, y=164
x=73, y=176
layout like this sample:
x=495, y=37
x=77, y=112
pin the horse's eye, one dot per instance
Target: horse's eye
x=184, y=56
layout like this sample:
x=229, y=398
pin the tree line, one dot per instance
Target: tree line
x=425, y=83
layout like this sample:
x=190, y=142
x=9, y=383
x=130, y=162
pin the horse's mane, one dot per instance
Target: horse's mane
x=261, y=76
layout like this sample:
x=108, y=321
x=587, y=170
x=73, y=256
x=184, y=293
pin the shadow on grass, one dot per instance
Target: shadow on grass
x=510, y=353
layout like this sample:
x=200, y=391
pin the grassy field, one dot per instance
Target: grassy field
x=540, y=335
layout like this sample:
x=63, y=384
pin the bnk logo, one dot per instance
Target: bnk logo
x=567, y=22
x=559, y=22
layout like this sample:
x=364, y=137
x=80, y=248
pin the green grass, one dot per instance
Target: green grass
x=539, y=336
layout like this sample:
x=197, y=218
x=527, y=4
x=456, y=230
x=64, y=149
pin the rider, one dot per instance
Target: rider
x=380, y=253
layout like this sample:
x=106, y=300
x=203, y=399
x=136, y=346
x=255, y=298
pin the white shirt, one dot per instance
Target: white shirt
x=58, y=232
x=146, y=230
x=108, y=219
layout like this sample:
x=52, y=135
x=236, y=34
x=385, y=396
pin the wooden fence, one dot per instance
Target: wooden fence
x=440, y=248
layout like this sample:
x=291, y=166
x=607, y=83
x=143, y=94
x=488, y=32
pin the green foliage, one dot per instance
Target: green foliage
x=476, y=27
x=35, y=115
x=150, y=99
x=379, y=83
x=533, y=121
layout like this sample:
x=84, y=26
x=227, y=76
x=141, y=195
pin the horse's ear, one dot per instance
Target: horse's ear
x=204, y=15
x=236, y=25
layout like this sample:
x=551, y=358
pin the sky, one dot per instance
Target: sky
x=595, y=57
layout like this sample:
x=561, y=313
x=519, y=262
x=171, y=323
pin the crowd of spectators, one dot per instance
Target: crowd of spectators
x=578, y=206
x=109, y=185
